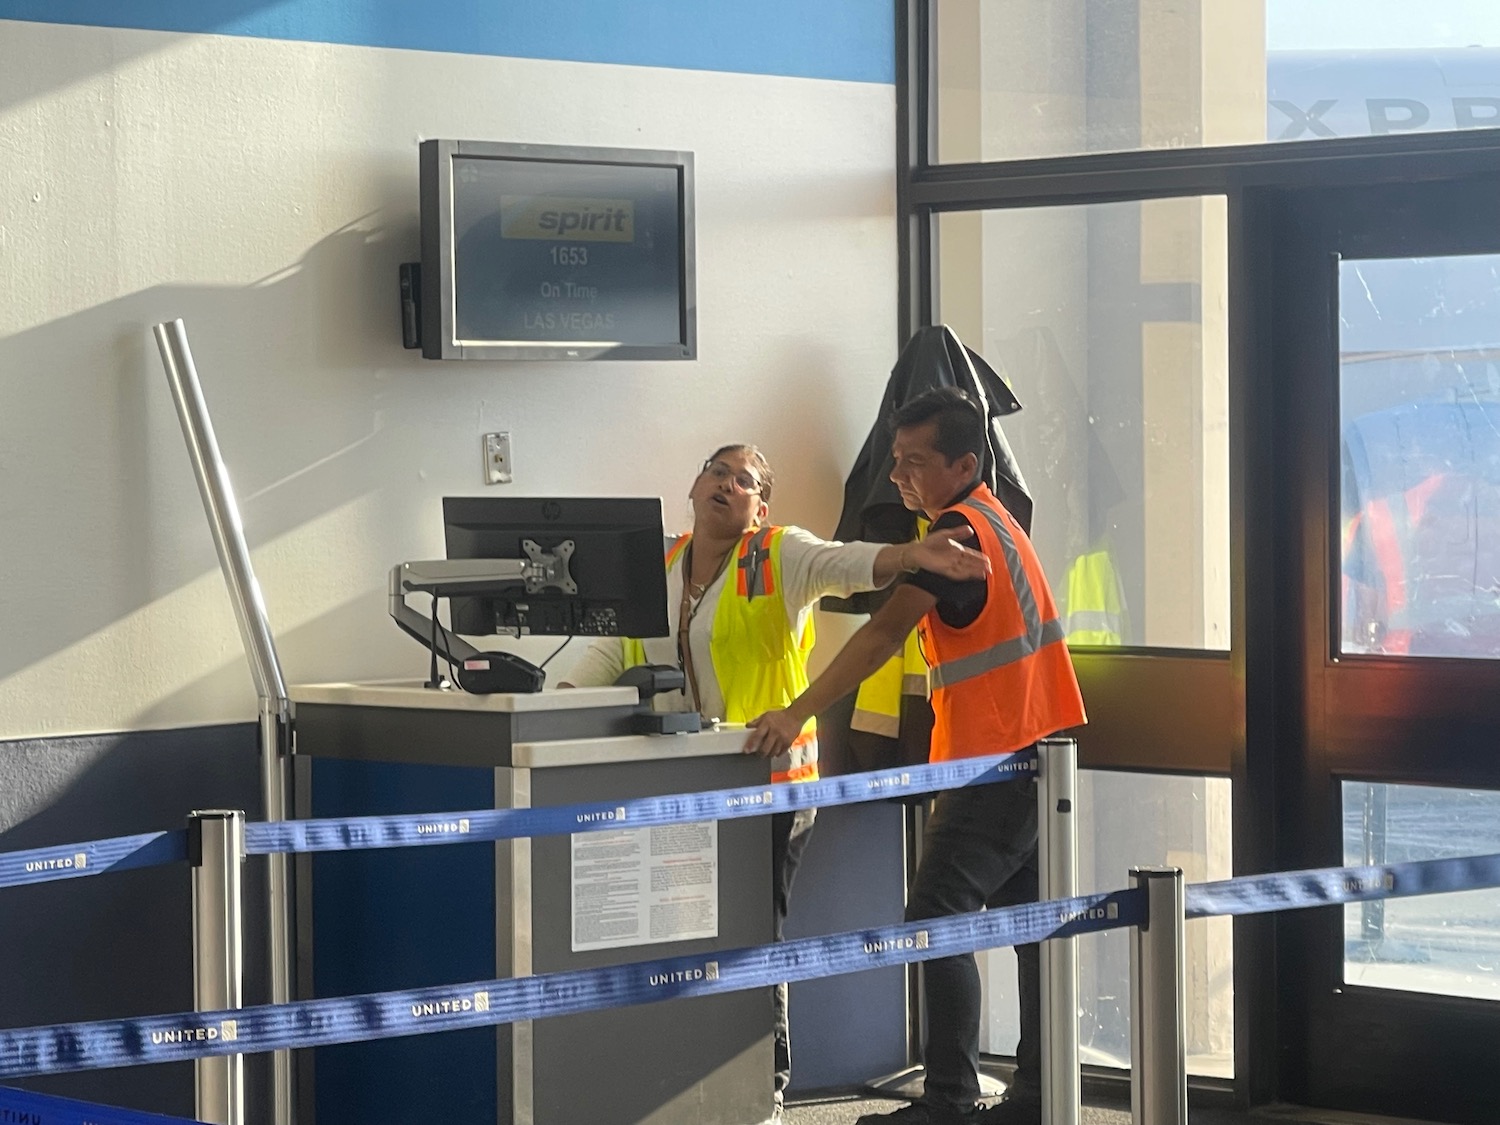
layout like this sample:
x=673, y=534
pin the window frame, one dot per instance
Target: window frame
x=1233, y=726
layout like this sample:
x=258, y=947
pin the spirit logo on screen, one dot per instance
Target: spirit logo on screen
x=560, y=217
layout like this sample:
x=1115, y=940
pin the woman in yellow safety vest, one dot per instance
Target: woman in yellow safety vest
x=739, y=597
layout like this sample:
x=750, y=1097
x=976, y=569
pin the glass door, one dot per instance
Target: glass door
x=1384, y=385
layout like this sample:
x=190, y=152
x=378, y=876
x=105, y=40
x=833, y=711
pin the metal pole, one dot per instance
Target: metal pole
x=260, y=649
x=1057, y=863
x=223, y=513
x=275, y=752
x=1372, y=913
x=216, y=848
x=1158, y=1012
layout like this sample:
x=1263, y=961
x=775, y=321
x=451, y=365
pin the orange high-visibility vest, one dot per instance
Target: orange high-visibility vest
x=1005, y=680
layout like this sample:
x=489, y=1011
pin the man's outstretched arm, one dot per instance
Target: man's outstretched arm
x=877, y=640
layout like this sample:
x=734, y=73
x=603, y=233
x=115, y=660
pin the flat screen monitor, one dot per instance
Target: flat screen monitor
x=553, y=252
x=615, y=563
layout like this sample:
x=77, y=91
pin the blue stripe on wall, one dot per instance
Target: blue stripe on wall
x=844, y=39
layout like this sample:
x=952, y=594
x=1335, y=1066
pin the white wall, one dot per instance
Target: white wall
x=265, y=192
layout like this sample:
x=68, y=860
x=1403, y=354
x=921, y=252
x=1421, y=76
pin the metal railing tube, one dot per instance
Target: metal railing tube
x=1057, y=865
x=275, y=753
x=1158, y=1013
x=222, y=511
x=260, y=650
x=216, y=850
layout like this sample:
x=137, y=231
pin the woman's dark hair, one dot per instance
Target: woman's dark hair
x=960, y=422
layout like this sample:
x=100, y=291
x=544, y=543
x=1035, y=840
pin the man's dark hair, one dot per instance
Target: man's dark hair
x=960, y=422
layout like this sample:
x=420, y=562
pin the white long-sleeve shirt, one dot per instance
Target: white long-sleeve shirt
x=810, y=569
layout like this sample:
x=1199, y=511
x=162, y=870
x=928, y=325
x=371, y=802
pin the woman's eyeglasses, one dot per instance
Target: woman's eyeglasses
x=721, y=472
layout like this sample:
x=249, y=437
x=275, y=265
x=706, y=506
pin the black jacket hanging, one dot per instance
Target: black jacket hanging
x=873, y=511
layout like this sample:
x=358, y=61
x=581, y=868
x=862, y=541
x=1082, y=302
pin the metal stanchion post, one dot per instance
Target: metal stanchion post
x=275, y=731
x=216, y=849
x=1057, y=832
x=1158, y=1029
x=260, y=650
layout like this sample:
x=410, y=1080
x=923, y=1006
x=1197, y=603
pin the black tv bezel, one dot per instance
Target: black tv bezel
x=439, y=338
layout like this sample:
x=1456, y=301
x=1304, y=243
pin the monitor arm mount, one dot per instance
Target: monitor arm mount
x=476, y=670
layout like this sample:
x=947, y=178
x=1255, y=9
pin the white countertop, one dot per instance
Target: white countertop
x=628, y=748
x=722, y=740
x=411, y=694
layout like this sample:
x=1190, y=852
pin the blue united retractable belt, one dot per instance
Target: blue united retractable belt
x=22, y=1107
x=1294, y=890
x=351, y=1019
x=73, y=861
x=313, y=1023
x=349, y=833
x=69, y=861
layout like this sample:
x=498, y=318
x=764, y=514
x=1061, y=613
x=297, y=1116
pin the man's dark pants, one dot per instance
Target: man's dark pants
x=979, y=849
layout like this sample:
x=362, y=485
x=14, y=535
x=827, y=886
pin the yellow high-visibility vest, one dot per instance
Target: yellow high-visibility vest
x=760, y=665
x=877, y=705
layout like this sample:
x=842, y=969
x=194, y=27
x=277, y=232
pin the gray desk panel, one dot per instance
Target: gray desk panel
x=705, y=1061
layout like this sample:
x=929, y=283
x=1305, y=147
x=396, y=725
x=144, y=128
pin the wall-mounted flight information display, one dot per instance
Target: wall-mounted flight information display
x=558, y=253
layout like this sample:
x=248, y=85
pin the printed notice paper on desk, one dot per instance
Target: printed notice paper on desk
x=643, y=886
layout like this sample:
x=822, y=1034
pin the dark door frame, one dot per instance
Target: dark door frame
x=1312, y=716
x=1244, y=728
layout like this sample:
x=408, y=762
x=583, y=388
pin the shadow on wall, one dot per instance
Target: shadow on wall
x=100, y=504
x=365, y=635
x=362, y=624
x=117, y=945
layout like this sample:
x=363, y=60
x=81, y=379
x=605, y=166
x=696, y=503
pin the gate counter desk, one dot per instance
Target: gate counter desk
x=378, y=920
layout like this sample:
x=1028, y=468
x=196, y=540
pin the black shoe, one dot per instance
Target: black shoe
x=922, y=1113
x=1022, y=1109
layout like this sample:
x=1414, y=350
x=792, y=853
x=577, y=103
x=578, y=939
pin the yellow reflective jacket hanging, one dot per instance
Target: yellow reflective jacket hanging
x=1096, y=606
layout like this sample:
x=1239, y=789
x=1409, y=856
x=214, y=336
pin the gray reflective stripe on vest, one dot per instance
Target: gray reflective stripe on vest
x=996, y=656
x=755, y=554
x=1037, y=632
x=796, y=757
x=873, y=722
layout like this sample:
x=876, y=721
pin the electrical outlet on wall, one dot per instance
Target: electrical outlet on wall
x=497, y=467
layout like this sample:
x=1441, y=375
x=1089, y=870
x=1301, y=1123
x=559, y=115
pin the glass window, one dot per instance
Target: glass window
x=1131, y=820
x=1034, y=78
x=1419, y=415
x=1109, y=322
x=1445, y=944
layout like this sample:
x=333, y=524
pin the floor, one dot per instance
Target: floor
x=844, y=1112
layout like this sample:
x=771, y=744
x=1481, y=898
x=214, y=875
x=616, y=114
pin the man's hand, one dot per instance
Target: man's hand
x=875, y=642
x=942, y=553
x=772, y=733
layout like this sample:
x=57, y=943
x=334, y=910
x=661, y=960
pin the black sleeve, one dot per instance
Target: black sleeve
x=958, y=603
